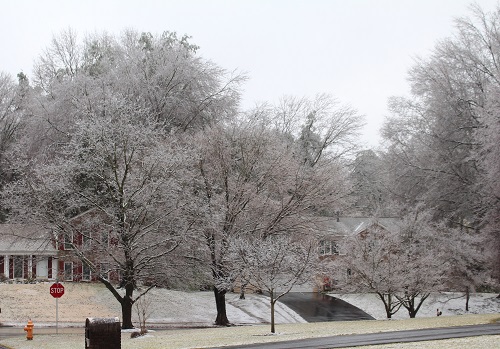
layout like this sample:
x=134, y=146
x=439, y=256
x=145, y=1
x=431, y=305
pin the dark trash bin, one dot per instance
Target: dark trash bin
x=103, y=333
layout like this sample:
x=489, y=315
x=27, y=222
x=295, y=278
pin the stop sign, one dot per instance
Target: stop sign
x=57, y=290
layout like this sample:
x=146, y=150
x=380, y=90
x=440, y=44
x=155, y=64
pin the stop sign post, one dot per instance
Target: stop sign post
x=56, y=291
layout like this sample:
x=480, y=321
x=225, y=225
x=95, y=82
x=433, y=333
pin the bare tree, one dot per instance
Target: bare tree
x=442, y=140
x=123, y=171
x=275, y=264
x=402, y=265
x=368, y=263
x=252, y=181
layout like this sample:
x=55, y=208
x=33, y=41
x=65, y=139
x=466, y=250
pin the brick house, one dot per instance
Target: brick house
x=84, y=236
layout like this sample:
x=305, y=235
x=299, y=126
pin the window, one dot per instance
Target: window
x=68, y=241
x=86, y=240
x=328, y=248
x=104, y=270
x=68, y=271
x=104, y=240
x=86, y=272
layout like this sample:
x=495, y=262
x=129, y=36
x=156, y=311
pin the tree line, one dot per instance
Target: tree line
x=149, y=139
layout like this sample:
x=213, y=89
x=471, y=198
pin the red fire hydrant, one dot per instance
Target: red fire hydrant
x=29, y=330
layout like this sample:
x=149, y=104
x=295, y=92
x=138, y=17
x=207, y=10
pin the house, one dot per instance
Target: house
x=83, y=237
x=335, y=229
x=27, y=252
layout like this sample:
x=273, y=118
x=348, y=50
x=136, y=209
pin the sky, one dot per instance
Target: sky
x=359, y=51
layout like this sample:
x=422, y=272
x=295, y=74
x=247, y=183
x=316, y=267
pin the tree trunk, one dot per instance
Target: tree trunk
x=220, y=302
x=467, y=298
x=127, y=313
x=388, y=306
x=127, y=303
x=273, y=302
x=242, y=291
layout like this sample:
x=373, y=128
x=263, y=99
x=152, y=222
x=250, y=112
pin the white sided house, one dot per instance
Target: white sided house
x=27, y=253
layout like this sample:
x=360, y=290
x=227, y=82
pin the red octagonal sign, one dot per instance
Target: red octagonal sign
x=57, y=290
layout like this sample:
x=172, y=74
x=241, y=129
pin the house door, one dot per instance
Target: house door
x=18, y=267
x=42, y=268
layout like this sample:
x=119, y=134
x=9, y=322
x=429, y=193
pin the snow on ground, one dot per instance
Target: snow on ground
x=173, y=308
x=20, y=302
x=449, y=303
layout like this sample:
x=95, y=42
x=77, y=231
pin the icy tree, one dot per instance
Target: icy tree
x=253, y=182
x=122, y=171
x=402, y=265
x=371, y=259
x=103, y=149
x=443, y=138
x=275, y=264
x=420, y=266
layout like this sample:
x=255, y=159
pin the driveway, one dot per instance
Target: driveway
x=317, y=307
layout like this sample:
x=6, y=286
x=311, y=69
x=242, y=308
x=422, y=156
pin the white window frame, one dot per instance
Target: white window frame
x=68, y=245
x=87, y=241
x=68, y=277
x=105, y=267
x=328, y=248
x=86, y=276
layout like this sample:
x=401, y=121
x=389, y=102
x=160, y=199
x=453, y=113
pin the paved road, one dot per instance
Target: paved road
x=317, y=307
x=379, y=338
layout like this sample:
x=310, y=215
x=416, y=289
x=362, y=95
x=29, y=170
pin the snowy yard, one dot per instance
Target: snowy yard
x=197, y=308
x=447, y=302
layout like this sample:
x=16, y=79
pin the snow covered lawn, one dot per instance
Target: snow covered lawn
x=448, y=302
x=20, y=302
x=174, y=308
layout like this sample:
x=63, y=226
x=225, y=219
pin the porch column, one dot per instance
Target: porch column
x=31, y=263
x=6, y=266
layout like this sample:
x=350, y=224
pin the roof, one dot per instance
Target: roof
x=21, y=239
x=355, y=225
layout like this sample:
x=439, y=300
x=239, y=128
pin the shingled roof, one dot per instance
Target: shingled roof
x=354, y=225
x=20, y=239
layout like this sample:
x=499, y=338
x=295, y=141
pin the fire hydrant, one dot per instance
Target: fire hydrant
x=29, y=330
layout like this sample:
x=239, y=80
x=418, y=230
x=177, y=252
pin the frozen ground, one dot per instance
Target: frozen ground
x=20, y=302
x=448, y=302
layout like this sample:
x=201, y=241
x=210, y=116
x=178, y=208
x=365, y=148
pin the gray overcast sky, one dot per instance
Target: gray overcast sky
x=356, y=50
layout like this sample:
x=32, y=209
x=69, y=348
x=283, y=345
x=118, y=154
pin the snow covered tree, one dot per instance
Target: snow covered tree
x=402, y=265
x=105, y=137
x=275, y=264
x=370, y=190
x=322, y=126
x=252, y=182
x=420, y=266
x=122, y=170
x=469, y=261
x=442, y=140
x=13, y=100
x=371, y=259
